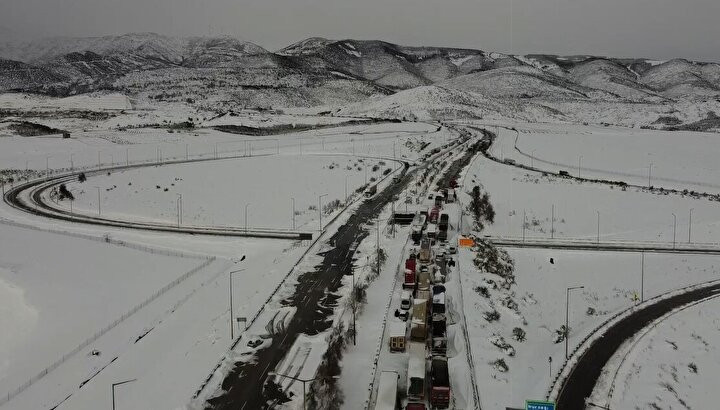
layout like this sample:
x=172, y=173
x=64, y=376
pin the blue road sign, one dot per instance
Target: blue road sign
x=539, y=405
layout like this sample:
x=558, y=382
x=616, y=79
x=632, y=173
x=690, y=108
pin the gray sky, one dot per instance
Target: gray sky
x=639, y=28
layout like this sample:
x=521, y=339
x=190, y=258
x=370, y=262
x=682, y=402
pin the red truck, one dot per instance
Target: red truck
x=434, y=213
x=439, y=383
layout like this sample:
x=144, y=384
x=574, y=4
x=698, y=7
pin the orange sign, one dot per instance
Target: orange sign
x=466, y=243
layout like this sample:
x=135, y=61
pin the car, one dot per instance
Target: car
x=404, y=315
x=452, y=250
x=254, y=342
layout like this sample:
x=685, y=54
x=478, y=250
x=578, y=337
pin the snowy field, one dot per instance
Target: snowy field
x=171, y=344
x=65, y=289
x=216, y=193
x=631, y=215
x=612, y=282
x=680, y=160
x=674, y=364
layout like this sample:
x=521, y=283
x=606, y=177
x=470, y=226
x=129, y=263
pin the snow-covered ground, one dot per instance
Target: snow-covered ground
x=680, y=160
x=630, y=215
x=188, y=324
x=672, y=365
x=216, y=193
x=611, y=280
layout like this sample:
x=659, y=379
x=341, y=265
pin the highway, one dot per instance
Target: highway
x=314, y=299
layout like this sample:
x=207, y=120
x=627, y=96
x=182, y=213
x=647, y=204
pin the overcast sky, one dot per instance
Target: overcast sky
x=641, y=28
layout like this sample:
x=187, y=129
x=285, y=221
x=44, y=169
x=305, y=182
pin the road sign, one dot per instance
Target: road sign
x=539, y=405
x=466, y=243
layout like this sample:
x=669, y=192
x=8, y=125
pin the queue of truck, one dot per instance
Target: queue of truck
x=421, y=314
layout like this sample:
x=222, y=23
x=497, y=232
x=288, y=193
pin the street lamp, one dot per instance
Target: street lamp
x=579, y=164
x=690, y=225
x=113, y=389
x=598, y=227
x=98, y=191
x=674, y=228
x=293, y=213
x=246, y=221
x=178, y=203
x=320, y=209
x=232, y=332
x=567, y=316
x=650, y=175
x=532, y=159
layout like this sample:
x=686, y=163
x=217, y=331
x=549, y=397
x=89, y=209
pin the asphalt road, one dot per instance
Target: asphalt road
x=243, y=386
x=581, y=381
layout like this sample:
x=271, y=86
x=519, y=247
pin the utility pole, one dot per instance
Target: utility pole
x=320, y=209
x=293, y=213
x=187, y=152
x=552, y=222
x=127, y=156
x=690, y=225
x=642, y=278
x=532, y=159
x=246, y=221
x=674, y=228
x=523, y=225
x=567, y=316
x=98, y=191
x=650, y=175
x=232, y=328
x=378, y=246
x=178, y=202
x=346, y=194
x=98, y=159
x=354, y=301
x=579, y=162
x=72, y=164
x=598, y=227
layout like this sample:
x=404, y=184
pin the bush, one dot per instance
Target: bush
x=492, y=316
x=518, y=334
x=82, y=177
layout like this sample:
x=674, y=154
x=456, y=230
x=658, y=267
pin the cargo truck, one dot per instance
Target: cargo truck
x=439, y=383
x=387, y=391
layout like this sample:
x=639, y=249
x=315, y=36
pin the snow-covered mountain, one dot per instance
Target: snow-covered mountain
x=216, y=72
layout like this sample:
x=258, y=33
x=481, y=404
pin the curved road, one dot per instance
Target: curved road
x=582, y=378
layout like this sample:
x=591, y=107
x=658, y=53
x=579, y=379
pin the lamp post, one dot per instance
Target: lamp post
x=72, y=164
x=112, y=388
x=178, y=203
x=642, y=278
x=246, y=221
x=674, y=228
x=552, y=222
x=579, y=164
x=690, y=225
x=232, y=331
x=598, y=227
x=98, y=191
x=320, y=209
x=293, y=213
x=567, y=316
x=532, y=159
x=650, y=175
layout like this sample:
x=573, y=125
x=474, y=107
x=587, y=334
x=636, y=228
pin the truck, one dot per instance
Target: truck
x=451, y=197
x=370, y=191
x=417, y=227
x=418, y=325
x=433, y=214
x=409, y=282
x=416, y=372
x=444, y=221
x=439, y=382
x=438, y=306
x=387, y=391
x=439, y=337
x=425, y=251
x=398, y=335
x=431, y=231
